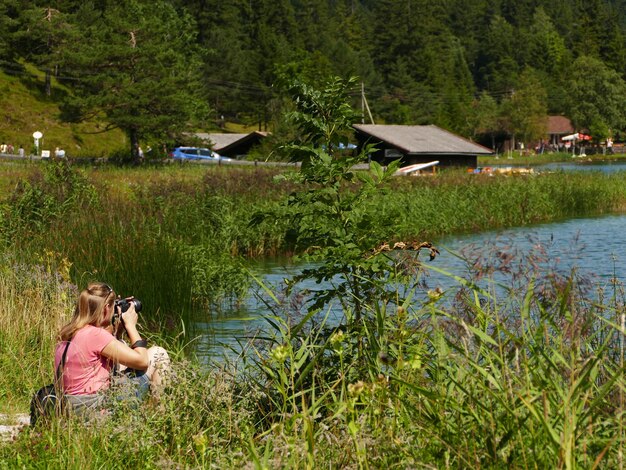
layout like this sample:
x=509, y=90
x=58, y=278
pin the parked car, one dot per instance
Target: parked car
x=196, y=153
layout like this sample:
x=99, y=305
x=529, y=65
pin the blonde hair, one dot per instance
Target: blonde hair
x=89, y=309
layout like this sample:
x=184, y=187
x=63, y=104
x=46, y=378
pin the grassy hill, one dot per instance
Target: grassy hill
x=25, y=108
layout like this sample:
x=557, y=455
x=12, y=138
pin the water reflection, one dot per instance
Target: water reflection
x=592, y=245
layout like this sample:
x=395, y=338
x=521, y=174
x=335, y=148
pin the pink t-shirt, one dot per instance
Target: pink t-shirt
x=86, y=370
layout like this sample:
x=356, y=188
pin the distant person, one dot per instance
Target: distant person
x=59, y=153
x=609, y=146
x=3, y=148
x=10, y=149
x=20, y=152
x=140, y=153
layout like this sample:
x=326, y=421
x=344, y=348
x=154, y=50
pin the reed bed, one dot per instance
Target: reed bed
x=518, y=373
x=191, y=228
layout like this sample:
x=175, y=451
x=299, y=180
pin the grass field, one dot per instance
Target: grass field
x=526, y=374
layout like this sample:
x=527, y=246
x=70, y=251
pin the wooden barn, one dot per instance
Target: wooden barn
x=419, y=144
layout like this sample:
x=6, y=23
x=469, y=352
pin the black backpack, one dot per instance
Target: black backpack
x=49, y=401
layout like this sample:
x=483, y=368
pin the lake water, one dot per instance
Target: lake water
x=577, y=164
x=595, y=246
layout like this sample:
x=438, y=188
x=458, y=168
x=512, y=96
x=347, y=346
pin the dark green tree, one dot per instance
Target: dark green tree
x=547, y=47
x=485, y=117
x=499, y=56
x=9, y=26
x=231, y=81
x=135, y=65
x=597, y=96
x=525, y=112
x=44, y=34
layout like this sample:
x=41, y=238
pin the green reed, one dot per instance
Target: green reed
x=189, y=228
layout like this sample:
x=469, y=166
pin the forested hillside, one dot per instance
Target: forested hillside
x=477, y=67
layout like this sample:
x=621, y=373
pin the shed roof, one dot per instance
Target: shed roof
x=559, y=125
x=223, y=140
x=423, y=139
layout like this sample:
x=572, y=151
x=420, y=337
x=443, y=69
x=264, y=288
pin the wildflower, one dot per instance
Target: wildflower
x=337, y=337
x=279, y=353
x=435, y=294
x=357, y=388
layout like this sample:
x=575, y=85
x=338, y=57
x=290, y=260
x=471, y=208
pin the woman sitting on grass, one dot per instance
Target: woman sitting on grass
x=94, y=350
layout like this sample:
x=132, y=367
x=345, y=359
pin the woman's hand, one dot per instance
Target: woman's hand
x=130, y=317
x=120, y=352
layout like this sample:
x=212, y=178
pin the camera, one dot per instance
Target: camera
x=124, y=304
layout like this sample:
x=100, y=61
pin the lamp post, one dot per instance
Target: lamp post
x=37, y=135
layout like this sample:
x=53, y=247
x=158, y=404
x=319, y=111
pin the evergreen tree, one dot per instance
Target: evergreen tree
x=134, y=63
x=231, y=81
x=449, y=75
x=9, y=25
x=485, y=118
x=45, y=31
x=547, y=47
x=499, y=56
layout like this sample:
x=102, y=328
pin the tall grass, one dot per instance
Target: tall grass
x=458, y=203
x=473, y=377
x=178, y=237
x=34, y=303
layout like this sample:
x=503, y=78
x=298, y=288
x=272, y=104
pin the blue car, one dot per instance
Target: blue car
x=196, y=153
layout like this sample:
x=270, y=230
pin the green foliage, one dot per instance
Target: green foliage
x=328, y=218
x=525, y=112
x=420, y=62
x=144, y=79
x=547, y=49
x=465, y=377
x=519, y=371
x=46, y=197
x=485, y=117
x=323, y=117
x=468, y=377
x=597, y=94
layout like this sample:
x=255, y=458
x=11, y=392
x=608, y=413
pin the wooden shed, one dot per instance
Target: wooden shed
x=419, y=144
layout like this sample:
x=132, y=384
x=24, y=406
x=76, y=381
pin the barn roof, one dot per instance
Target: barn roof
x=423, y=139
x=559, y=125
x=223, y=141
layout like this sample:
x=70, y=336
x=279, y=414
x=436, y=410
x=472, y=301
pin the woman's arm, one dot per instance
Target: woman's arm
x=119, y=352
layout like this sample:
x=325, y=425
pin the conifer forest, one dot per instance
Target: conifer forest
x=477, y=68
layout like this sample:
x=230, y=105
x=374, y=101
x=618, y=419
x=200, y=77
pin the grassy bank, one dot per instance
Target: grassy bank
x=28, y=109
x=525, y=374
x=530, y=378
